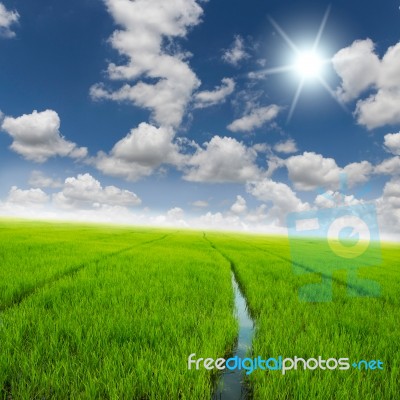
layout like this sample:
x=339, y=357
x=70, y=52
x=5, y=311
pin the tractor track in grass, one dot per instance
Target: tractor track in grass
x=21, y=296
x=231, y=385
x=230, y=261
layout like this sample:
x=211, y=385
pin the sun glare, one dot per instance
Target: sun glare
x=308, y=65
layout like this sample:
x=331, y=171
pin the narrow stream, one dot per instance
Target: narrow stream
x=231, y=384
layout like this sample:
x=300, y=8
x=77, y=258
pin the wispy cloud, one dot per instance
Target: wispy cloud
x=236, y=53
x=7, y=20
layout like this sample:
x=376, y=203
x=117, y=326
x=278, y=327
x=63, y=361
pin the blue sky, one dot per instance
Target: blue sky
x=168, y=113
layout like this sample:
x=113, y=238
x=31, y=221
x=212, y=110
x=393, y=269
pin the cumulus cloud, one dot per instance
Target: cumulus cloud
x=358, y=66
x=236, y=53
x=219, y=221
x=360, y=69
x=310, y=171
x=255, y=220
x=287, y=147
x=391, y=192
x=331, y=199
x=388, y=206
x=223, y=159
x=390, y=166
x=30, y=197
x=139, y=153
x=7, y=20
x=81, y=198
x=40, y=180
x=218, y=95
x=239, y=206
x=282, y=197
x=380, y=109
x=146, y=27
x=357, y=172
x=84, y=191
x=274, y=163
x=255, y=119
x=392, y=143
x=176, y=213
x=37, y=137
x=173, y=217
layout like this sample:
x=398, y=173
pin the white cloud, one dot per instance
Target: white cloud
x=200, y=203
x=236, y=52
x=30, y=197
x=173, y=217
x=287, y=147
x=255, y=119
x=258, y=75
x=240, y=205
x=392, y=190
x=274, y=162
x=357, y=173
x=139, y=153
x=257, y=217
x=146, y=26
x=219, y=221
x=331, y=199
x=176, y=213
x=390, y=166
x=255, y=220
x=37, y=137
x=310, y=171
x=86, y=192
x=7, y=19
x=218, y=95
x=361, y=69
x=380, y=109
x=39, y=180
x=147, y=145
x=282, y=197
x=388, y=206
x=358, y=66
x=261, y=147
x=392, y=143
x=82, y=198
x=223, y=159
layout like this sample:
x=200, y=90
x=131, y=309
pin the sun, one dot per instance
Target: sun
x=308, y=65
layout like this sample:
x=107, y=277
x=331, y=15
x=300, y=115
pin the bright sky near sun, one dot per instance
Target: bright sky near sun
x=217, y=114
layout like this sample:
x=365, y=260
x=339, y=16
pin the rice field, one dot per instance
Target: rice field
x=122, y=324
x=353, y=324
x=100, y=312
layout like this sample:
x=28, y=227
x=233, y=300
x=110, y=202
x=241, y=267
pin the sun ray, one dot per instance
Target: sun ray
x=284, y=35
x=332, y=93
x=308, y=64
x=321, y=28
x=295, y=99
x=279, y=70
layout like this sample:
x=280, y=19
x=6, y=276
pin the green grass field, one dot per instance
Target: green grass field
x=100, y=312
x=357, y=327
